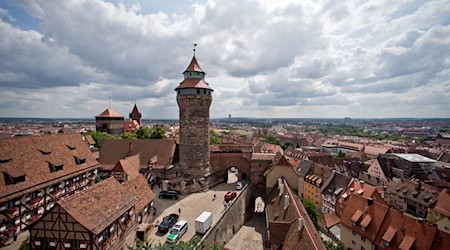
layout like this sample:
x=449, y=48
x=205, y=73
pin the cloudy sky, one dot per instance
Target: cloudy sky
x=305, y=59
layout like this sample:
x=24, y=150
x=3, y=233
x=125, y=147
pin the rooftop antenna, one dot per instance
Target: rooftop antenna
x=110, y=100
x=194, y=44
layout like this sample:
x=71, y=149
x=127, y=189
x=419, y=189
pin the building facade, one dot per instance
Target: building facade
x=109, y=121
x=37, y=171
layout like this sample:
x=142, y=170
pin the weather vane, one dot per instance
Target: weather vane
x=194, y=44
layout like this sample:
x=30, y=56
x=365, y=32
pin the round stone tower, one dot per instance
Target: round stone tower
x=194, y=99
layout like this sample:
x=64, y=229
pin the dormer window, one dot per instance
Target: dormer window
x=5, y=160
x=55, y=168
x=386, y=243
x=79, y=161
x=13, y=180
x=71, y=147
x=363, y=228
x=45, y=152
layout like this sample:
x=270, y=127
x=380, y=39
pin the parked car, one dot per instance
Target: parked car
x=169, y=195
x=229, y=196
x=177, y=231
x=167, y=223
x=240, y=185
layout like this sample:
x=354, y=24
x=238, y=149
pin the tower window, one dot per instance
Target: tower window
x=204, y=92
x=198, y=91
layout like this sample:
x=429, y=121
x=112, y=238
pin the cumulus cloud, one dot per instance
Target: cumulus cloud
x=263, y=58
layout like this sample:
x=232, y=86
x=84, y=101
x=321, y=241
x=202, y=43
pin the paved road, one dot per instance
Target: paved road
x=251, y=235
x=191, y=207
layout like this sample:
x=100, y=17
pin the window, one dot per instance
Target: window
x=204, y=92
x=446, y=228
x=362, y=248
x=75, y=244
x=198, y=91
x=79, y=161
x=363, y=228
x=353, y=233
x=386, y=243
x=353, y=243
x=363, y=239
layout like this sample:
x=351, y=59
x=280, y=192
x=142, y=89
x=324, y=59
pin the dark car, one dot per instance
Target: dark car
x=230, y=196
x=169, y=195
x=167, y=223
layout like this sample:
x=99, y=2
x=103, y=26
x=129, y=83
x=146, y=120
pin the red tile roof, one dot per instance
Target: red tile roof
x=98, y=206
x=129, y=165
x=358, y=209
x=194, y=66
x=193, y=83
x=31, y=155
x=284, y=224
x=110, y=113
x=331, y=220
x=442, y=204
x=113, y=150
x=139, y=186
x=131, y=126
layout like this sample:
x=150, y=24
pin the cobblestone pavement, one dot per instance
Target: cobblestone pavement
x=191, y=207
x=251, y=235
x=11, y=245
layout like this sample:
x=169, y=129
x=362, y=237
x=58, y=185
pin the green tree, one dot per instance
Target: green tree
x=312, y=210
x=156, y=132
x=180, y=245
x=213, y=137
x=287, y=144
x=272, y=139
x=334, y=246
x=99, y=137
x=341, y=154
x=25, y=245
x=128, y=135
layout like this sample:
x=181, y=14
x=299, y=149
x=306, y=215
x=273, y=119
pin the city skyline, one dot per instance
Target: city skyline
x=264, y=59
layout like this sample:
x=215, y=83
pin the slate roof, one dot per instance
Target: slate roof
x=336, y=185
x=423, y=194
x=31, y=156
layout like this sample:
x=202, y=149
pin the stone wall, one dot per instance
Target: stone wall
x=194, y=135
x=234, y=217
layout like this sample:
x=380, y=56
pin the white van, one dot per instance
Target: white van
x=177, y=231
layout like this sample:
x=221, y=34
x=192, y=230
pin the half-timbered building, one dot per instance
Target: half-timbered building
x=37, y=171
x=100, y=217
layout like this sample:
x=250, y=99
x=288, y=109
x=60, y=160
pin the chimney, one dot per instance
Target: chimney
x=369, y=201
x=130, y=148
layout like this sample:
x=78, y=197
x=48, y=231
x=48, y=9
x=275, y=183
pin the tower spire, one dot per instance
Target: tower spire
x=195, y=45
